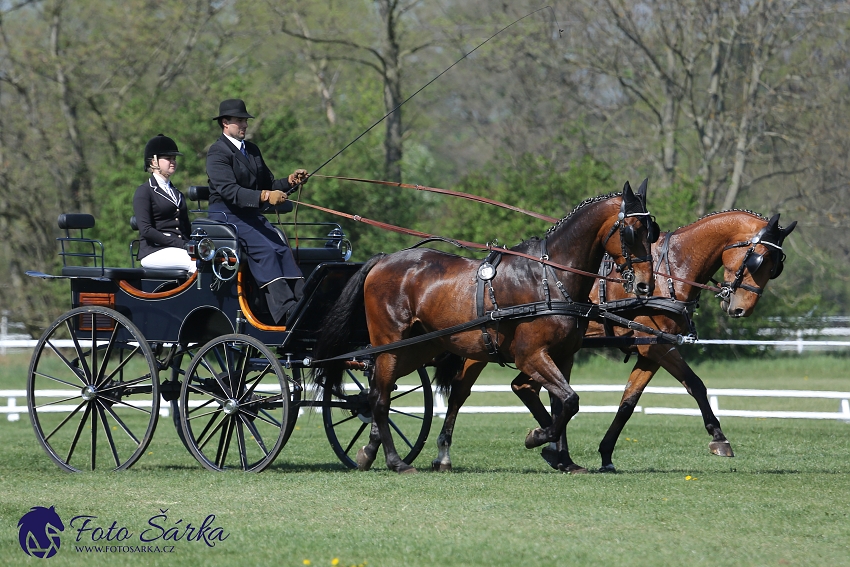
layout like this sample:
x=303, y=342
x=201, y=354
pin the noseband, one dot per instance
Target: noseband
x=627, y=239
x=752, y=262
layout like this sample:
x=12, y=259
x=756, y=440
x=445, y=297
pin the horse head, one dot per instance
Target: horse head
x=636, y=231
x=749, y=265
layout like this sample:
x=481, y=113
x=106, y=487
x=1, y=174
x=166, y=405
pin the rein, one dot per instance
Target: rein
x=467, y=196
x=402, y=230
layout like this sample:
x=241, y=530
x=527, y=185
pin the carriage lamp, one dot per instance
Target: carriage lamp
x=200, y=245
x=338, y=241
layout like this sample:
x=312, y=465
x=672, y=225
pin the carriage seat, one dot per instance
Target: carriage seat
x=155, y=273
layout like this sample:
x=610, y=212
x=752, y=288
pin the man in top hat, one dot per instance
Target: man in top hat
x=241, y=186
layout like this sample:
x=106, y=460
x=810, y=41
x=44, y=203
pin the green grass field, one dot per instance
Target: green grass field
x=783, y=500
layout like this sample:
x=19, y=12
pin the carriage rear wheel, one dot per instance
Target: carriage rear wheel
x=235, y=405
x=348, y=419
x=93, y=390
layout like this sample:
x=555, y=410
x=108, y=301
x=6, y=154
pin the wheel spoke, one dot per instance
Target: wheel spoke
x=120, y=422
x=405, y=393
x=67, y=363
x=108, y=434
x=49, y=377
x=240, y=441
x=119, y=401
x=354, y=379
x=80, y=355
x=404, y=413
x=202, y=442
x=120, y=367
x=266, y=417
x=93, y=437
x=401, y=434
x=200, y=390
x=256, y=381
x=117, y=385
x=66, y=420
x=345, y=420
x=224, y=442
x=78, y=432
x=355, y=437
x=255, y=433
x=62, y=401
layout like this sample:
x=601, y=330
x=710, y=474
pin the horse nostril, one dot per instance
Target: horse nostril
x=642, y=289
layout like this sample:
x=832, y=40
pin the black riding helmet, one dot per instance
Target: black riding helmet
x=160, y=145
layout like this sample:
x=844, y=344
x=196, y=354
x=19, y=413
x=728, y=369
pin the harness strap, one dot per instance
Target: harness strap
x=526, y=310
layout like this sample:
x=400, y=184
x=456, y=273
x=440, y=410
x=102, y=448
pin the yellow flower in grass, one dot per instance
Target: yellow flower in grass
x=689, y=477
x=335, y=561
x=306, y=562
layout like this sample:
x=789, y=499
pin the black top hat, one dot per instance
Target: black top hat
x=233, y=107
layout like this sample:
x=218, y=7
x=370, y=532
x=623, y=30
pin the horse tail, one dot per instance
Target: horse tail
x=448, y=365
x=337, y=328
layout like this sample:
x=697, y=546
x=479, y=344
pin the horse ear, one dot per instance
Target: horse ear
x=641, y=193
x=788, y=229
x=773, y=222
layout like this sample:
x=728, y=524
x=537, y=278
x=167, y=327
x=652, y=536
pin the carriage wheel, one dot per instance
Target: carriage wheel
x=348, y=419
x=235, y=405
x=93, y=397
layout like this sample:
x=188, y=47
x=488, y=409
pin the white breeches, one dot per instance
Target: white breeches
x=169, y=259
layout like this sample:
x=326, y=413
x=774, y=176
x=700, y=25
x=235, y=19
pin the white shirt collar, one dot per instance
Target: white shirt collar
x=162, y=181
x=237, y=143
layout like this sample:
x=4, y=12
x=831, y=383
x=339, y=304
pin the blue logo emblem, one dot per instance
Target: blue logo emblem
x=38, y=532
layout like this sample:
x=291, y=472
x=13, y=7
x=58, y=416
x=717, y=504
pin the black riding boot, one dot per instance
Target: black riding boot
x=282, y=295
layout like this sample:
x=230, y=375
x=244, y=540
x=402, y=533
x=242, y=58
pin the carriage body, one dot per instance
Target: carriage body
x=137, y=339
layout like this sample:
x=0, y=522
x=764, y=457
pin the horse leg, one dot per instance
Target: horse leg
x=565, y=403
x=676, y=365
x=380, y=392
x=461, y=388
x=528, y=392
x=643, y=371
x=367, y=453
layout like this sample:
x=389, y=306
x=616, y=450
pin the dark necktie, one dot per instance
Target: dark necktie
x=242, y=149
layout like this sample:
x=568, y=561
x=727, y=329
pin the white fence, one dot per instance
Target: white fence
x=13, y=409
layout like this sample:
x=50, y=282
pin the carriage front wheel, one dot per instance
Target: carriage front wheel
x=93, y=390
x=348, y=418
x=235, y=405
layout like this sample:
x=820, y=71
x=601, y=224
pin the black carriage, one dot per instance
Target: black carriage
x=139, y=343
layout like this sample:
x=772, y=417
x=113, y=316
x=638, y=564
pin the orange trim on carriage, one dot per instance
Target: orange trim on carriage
x=246, y=309
x=136, y=292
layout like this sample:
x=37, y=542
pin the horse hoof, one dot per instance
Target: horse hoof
x=572, y=468
x=609, y=468
x=721, y=448
x=550, y=455
x=363, y=461
x=535, y=438
x=407, y=470
x=439, y=466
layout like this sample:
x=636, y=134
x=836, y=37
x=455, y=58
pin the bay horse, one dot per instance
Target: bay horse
x=749, y=248
x=747, y=245
x=420, y=290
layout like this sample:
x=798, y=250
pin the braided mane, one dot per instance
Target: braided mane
x=711, y=214
x=581, y=205
x=528, y=243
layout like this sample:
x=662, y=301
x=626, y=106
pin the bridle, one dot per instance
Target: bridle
x=628, y=239
x=752, y=262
